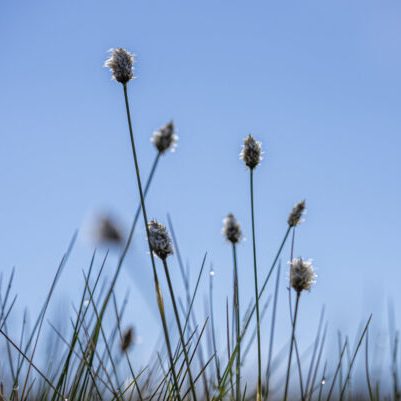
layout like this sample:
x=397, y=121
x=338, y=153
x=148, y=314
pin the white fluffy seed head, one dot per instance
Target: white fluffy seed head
x=251, y=152
x=295, y=216
x=165, y=138
x=159, y=239
x=302, y=275
x=121, y=65
x=231, y=229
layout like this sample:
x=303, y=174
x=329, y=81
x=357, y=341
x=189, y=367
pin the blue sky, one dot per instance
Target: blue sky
x=317, y=82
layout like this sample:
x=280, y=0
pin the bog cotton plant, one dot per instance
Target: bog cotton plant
x=302, y=277
x=121, y=65
x=165, y=138
x=233, y=234
x=251, y=155
x=161, y=245
x=231, y=229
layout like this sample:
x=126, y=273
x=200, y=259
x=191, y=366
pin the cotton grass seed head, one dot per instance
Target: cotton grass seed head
x=159, y=239
x=295, y=216
x=127, y=339
x=105, y=230
x=165, y=138
x=251, y=152
x=121, y=65
x=302, y=275
x=231, y=229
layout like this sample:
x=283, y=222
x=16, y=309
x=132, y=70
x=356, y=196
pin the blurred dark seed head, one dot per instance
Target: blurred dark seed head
x=121, y=65
x=165, y=138
x=295, y=216
x=231, y=229
x=159, y=239
x=107, y=231
x=127, y=339
x=251, y=152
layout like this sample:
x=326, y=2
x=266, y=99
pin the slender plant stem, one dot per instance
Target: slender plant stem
x=237, y=325
x=229, y=349
x=394, y=368
x=347, y=378
x=270, y=355
x=371, y=398
x=339, y=364
x=145, y=192
x=180, y=331
x=211, y=306
x=294, y=322
x=322, y=382
x=275, y=261
x=155, y=277
x=314, y=353
x=291, y=257
x=298, y=360
x=255, y=272
x=184, y=276
x=340, y=373
x=250, y=315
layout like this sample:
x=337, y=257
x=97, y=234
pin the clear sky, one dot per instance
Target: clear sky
x=317, y=82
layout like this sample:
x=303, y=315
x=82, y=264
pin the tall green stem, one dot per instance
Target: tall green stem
x=237, y=325
x=272, y=328
x=211, y=306
x=255, y=271
x=180, y=331
x=155, y=277
x=298, y=359
x=294, y=322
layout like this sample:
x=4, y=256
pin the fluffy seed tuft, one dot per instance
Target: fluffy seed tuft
x=251, y=152
x=121, y=65
x=159, y=239
x=302, y=275
x=231, y=229
x=165, y=138
x=296, y=214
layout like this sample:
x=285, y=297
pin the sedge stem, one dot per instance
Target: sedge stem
x=294, y=322
x=237, y=326
x=155, y=277
x=255, y=271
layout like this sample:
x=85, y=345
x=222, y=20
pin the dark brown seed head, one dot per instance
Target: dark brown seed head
x=127, y=339
x=295, y=216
